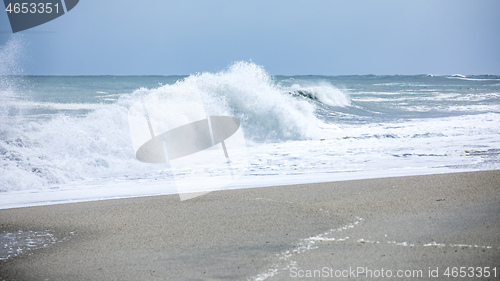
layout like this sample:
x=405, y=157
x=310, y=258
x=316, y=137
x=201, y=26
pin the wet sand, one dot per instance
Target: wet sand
x=404, y=225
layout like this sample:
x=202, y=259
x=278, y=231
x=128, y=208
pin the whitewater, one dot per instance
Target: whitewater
x=67, y=138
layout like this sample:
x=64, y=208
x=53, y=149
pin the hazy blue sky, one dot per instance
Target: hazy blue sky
x=285, y=36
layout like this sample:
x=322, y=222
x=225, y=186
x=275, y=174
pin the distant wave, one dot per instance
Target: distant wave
x=475, y=77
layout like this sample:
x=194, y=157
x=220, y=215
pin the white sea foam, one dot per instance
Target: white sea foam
x=40, y=155
x=17, y=243
x=247, y=92
x=54, y=105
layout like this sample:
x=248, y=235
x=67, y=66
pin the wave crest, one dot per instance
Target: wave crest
x=37, y=155
x=247, y=92
x=323, y=92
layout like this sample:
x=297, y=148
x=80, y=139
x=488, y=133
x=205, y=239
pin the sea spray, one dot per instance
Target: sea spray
x=267, y=111
x=11, y=137
x=11, y=59
x=50, y=152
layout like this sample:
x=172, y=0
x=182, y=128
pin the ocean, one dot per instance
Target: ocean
x=68, y=139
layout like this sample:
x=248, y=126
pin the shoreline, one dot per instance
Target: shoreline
x=412, y=222
x=73, y=193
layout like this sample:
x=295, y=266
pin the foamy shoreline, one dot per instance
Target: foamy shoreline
x=85, y=191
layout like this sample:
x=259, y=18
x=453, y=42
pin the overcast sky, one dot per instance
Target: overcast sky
x=285, y=36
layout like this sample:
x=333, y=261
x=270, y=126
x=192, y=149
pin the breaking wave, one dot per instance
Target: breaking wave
x=37, y=154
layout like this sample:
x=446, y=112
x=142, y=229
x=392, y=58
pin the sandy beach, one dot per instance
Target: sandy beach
x=409, y=227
